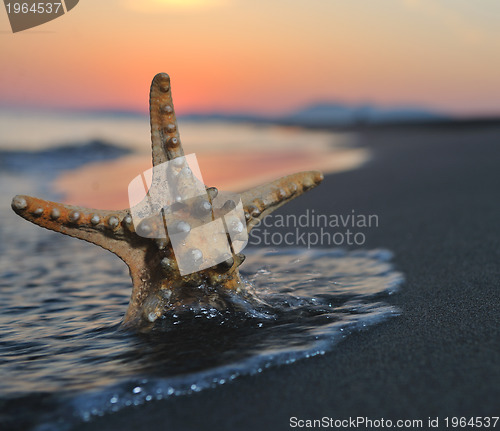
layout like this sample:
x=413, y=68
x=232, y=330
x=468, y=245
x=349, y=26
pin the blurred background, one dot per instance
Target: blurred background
x=252, y=82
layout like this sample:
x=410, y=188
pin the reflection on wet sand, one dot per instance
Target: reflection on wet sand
x=104, y=184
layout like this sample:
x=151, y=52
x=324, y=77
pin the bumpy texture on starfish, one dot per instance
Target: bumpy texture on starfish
x=158, y=286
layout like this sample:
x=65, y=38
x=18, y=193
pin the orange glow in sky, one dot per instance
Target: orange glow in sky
x=258, y=56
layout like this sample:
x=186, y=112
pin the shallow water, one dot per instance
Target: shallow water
x=64, y=358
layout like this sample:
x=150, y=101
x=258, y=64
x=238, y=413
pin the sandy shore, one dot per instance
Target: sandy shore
x=437, y=194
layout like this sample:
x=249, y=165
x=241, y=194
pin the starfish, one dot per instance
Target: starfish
x=159, y=284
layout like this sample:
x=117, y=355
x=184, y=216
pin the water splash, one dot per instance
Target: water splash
x=60, y=335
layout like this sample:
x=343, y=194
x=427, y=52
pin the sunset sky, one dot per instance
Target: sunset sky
x=258, y=56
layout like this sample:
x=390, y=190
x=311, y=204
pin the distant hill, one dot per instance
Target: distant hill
x=332, y=114
x=343, y=115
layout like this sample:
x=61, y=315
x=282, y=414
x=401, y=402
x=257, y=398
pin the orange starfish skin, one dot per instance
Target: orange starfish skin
x=158, y=285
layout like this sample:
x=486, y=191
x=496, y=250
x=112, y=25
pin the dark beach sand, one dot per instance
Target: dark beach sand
x=437, y=193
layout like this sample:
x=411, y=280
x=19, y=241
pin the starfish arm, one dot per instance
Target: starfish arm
x=111, y=230
x=166, y=144
x=159, y=283
x=263, y=200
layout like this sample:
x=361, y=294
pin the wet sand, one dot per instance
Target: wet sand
x=104, y=184
x=437, y=194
